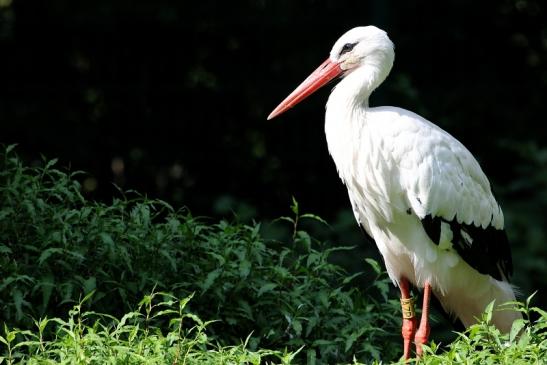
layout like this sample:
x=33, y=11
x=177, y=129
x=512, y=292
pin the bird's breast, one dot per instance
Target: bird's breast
x=365, y=164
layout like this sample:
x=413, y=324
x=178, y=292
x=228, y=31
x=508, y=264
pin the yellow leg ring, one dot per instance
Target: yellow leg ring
x=407, y=306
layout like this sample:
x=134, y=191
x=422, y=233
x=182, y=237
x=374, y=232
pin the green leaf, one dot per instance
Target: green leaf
x=47, y=283
x=211, y=277
x=89, y=284
x=311, y=357
x=87, y=297
x=245, y=309
x=294, y=206
x=18, y=302
x=529, y=299
x=284, y=218
x=107, y=239
x=10, y=148
x=314, y=217
x=266, y=288
x=169, y=257
x=375, y=265
x=255, y=231
x=304, y=238
x=297, y=326
x=488, y=312
x=312, y=323
x=47, y=253
x=517, y=326
x=51, y=163
x=10, y=336
x=323, y=342
x=323, y=298
x=349, y=341
x=350, y=278
x=42, y=323
x=540, y=311
x=244, y=268
x=183, y=302
x=313, y=258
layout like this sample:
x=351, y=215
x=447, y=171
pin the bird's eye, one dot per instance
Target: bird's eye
x=347, y=48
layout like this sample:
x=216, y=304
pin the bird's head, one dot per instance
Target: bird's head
x=366, y=48
x=362, y=46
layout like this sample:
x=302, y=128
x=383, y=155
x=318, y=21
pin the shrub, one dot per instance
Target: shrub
x=56, y=246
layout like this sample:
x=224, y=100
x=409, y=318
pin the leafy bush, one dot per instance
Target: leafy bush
x=55, y=247
x=284, y=295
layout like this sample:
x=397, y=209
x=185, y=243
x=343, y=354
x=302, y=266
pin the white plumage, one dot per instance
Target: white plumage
x=409, y=180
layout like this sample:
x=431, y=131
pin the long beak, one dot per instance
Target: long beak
x=324, y=73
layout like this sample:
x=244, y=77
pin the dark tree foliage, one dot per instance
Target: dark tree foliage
x=170, y=98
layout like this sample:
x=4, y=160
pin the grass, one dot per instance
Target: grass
x=162, y=331
x=159, y=331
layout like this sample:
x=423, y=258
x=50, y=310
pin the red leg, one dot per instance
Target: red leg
x=422, y=334
x=409, y=318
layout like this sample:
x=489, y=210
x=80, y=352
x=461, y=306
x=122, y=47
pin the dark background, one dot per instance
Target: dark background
x=171, y=98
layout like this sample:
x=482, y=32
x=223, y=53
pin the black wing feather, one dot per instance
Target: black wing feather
x=487, y=250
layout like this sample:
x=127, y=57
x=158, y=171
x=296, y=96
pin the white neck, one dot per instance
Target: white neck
x=355, y=88
x=347, y=108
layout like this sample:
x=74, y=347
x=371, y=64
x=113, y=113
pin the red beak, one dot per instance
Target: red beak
x=324, y=73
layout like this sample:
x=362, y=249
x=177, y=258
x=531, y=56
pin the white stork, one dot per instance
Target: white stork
x=415, y=189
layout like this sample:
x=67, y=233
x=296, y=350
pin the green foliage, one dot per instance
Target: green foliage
x=159, y=331
x=482, y=343
x=56, y=246
x=162, y=331
x=285, y=296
